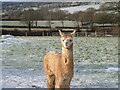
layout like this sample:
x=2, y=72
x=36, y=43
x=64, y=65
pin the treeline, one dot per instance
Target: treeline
x=108, y=13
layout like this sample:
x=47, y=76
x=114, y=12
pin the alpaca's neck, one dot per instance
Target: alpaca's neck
x=67, y=54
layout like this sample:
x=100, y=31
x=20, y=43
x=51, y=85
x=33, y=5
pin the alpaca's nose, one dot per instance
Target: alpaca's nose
x=66, y=43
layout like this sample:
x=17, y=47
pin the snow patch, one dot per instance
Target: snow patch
x=10, y=39
x=113, y=69
x=7, y=36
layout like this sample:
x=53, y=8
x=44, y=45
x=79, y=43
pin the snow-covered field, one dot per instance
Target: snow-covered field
x=80, y=8
x=95, y=58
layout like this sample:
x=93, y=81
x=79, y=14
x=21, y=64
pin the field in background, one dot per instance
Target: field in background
x=95, y=59
x=46, y=28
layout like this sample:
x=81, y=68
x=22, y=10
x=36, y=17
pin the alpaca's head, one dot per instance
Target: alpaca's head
x=67, y=39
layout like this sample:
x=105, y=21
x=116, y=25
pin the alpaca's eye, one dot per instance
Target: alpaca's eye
x=70, y=40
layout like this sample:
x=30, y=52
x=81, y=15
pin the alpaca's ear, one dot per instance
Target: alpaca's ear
x=61, y=34
x=73, y=33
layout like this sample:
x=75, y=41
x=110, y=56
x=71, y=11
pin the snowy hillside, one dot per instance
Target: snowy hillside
x=80, y=8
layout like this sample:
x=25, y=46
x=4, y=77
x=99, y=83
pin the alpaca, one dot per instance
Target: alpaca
x=59, y=67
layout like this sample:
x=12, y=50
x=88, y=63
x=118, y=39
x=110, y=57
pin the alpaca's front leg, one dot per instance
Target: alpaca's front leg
x=50, y=86
x=51, y=82
x=62, y=87
x=63, y=84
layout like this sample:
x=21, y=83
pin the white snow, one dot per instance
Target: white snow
x=80, y=8
x=113, y=69
x=95, y=61
x=10, y=39
x=109, y=35
x=7, y=36
x=23, y=79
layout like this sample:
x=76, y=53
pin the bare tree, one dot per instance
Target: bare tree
x=36, y=17
x=43, y=13
x=49, y=18
x=28, y=18
x=78, y=17
x=89, y=16
x=60, y=15
x=102, y=18
x=118, y=15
